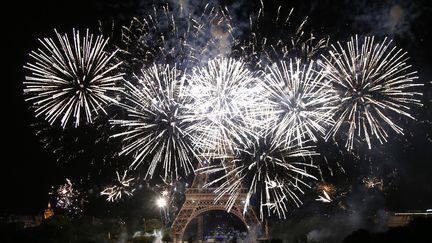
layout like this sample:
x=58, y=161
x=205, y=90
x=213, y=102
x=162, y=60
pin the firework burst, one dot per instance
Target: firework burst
x=224, y=93
x=69, y=80
x=273, y=173
x=373, y=182
x=372, y=81
x=122, y=188
x=156, y=123
x=301, y=101
x=68, y=198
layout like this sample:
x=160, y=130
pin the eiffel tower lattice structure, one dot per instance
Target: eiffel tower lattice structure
x=200, y=200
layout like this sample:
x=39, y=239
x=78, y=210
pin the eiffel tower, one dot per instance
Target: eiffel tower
x=200, y=200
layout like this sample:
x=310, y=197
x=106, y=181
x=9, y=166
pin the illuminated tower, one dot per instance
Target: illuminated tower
x=49, y=212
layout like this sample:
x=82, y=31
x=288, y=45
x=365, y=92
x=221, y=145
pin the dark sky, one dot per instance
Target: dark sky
x=29, y=170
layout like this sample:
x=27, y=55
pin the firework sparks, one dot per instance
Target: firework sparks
x=288, y=39
x=327, y=190
x=372, y=81
x=255, y=125
x=68, y=198
x=122, y=187
x=224, y=93
x=325, y=198
x=156, y=124
x=274, y=174
x=301, y=99
x=373, y=182
x=70, y=145
x=170, y=36
x=70, y=80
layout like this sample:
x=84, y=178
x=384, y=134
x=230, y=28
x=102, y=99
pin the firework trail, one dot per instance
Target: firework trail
x=122, y=188
x=175, y=37
x=287, y=40
x=273, y=173
x=156, y=124
x=68, y=198
x=70, y=80
x=224, y=93
x=372, y=81
x=301, y=100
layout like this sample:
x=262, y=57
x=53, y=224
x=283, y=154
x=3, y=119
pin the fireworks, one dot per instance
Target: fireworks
x=288, y=39
x=68, y=198
x=301, y=99
x=70, y=80
x=248, y=106
x=373, y=182
x=273, y=173
x=327, y=190
x=151, y=40
x=156, y=124
x=372, y=81
x=170, y=36
x=122, y=187
x=325, y=198
x=71, y=145
x=223, y=93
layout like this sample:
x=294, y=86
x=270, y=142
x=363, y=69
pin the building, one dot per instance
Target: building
x=22, y=221
x=49, y=212
x=403, y=219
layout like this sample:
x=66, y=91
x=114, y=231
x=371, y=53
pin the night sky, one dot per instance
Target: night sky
x=29, y=170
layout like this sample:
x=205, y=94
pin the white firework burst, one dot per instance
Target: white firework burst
x=156, y=124
x=301, y=100
x=373, y=81
x=225, y=100
x=71, y=79
x=272, y=173
x=120, y=189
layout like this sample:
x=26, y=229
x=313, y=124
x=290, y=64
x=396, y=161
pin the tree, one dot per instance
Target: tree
x=152, y=224
x=167, y=235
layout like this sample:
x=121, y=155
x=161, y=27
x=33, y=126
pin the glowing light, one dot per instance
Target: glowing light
x=161, y=202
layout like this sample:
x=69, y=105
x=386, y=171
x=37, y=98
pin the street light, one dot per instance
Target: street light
x=161, y=202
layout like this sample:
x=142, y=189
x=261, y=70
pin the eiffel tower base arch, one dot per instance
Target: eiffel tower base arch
x=201, y=200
